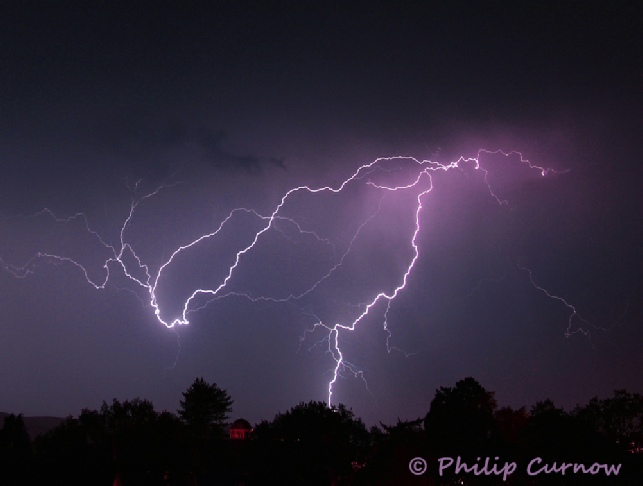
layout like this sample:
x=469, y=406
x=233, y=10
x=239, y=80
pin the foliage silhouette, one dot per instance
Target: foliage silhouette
x=205, y=409
x=314, y=444
x=310, y=444
x=15, y=449
x=461, y=419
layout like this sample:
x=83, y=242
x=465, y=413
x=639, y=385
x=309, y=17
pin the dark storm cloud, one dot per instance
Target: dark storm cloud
x=136, y=136
x=210, y=142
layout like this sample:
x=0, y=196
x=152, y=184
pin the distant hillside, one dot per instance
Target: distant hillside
x=36, y=425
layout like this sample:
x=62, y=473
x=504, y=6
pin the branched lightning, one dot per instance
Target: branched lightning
x=573, y=313
x=124, y=258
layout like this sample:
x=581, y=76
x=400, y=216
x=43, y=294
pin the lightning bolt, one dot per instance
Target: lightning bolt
x=124, y=258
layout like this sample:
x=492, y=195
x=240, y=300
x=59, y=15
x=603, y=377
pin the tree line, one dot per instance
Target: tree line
x=130, y=443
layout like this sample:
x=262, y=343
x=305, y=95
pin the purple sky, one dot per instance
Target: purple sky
x=232, y=105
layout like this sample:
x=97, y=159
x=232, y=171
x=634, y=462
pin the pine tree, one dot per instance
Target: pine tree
x=205, y=408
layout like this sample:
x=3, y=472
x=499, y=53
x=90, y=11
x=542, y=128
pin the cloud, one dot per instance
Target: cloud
x=209, y=142
x=147, y=137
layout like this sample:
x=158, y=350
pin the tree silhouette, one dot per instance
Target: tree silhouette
x=120, y=417
x=511, y=425
x=619, y=419
x=15, y=449
x=314, y=444
x=127, y=439
x=310, y=444
x=205, y=408
x=392, y=447
x=555, y=434
x=461, y=419
x=13, y=435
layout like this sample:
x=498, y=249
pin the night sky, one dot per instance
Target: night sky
x=229, y=106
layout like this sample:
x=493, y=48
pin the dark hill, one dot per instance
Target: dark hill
x=37, y=425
